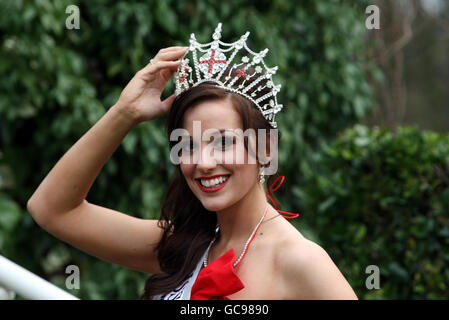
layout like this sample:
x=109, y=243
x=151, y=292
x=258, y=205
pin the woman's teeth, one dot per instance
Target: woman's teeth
x=213, y=182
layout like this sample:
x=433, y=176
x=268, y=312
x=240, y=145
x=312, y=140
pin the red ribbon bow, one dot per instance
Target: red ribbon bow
x=217, y=280
x=268, y=192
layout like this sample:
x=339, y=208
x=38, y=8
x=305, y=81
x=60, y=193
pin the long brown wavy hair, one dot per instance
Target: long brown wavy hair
x=188, y=226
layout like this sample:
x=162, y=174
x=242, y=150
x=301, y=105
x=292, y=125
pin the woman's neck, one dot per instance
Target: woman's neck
x=238, y=221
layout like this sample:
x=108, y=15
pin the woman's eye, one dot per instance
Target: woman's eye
x=188, y=146
x=225, y=142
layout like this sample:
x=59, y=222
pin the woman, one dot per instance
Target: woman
x=211, y=242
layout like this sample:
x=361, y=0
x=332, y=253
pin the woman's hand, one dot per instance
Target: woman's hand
x=142, y=95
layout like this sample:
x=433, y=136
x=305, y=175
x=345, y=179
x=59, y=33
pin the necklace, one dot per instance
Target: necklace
x=272, y=218
x=246, y=244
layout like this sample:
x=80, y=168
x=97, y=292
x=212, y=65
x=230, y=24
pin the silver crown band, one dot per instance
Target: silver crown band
x=214, y=66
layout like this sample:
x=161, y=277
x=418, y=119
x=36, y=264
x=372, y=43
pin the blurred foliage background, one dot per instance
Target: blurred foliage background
x=368, y=195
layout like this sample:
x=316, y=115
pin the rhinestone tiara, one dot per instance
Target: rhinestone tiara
x=214, y=65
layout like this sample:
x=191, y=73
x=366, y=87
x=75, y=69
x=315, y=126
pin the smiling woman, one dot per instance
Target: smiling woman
x=216, y=208
x=216, y=205
x=214, y=189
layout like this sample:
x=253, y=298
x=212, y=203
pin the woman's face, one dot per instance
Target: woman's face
x=223, y=155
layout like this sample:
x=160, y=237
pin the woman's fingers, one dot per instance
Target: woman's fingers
x=166, y=104
x=156, y=66
x=164, y=55
x=170, y=53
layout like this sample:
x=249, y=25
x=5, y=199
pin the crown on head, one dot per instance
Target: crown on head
x=218, y=63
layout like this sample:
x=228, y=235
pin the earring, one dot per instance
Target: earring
x=261, y=175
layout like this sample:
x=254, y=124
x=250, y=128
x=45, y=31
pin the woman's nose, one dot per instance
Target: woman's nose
x=206, y=159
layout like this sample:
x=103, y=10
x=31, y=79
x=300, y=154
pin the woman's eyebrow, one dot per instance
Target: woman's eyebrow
x=226, y=130
x=188, y=136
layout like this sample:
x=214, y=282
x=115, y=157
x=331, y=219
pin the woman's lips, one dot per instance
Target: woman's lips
x=211, y=189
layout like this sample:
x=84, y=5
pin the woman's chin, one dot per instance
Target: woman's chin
x=214, y=205
x=213, y=208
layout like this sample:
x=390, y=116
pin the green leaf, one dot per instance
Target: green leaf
x=10, y=213
x=360, y=234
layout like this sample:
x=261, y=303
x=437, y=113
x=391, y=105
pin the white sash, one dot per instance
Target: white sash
x=184, y=290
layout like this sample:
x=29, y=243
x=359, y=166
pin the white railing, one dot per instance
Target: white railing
x=15, y=279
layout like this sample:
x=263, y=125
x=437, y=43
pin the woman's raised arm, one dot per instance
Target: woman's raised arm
x=59, y=203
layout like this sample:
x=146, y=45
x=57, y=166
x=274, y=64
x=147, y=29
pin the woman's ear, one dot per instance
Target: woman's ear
x=270, y=148
x=271, y=162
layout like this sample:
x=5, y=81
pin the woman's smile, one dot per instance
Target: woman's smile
x=212, y=183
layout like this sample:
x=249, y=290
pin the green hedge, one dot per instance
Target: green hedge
x=382, y=198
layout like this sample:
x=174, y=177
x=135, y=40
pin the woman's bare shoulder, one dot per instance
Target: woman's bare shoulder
x=294, y=248
x=308, y=272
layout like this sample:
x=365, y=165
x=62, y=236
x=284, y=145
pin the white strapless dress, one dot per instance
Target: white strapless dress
x=184, y=290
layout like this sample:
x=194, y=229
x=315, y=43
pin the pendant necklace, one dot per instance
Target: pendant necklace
x=246, y=244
